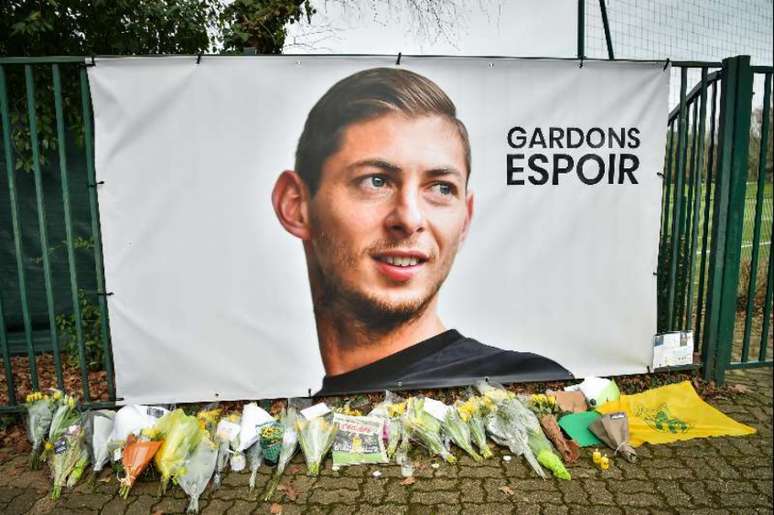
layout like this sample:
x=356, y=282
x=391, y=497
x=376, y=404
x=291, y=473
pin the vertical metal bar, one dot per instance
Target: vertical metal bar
x=698, y=168
x=62, y=146
x=707, y=221
x=767, y=312
x=97, y=235
x=41, y=204
x=16, y=225
x=606, y=25
x=720, y=215
x=683, y=317
x=668, y=181
x=9, y=382
x=677, y=214
x=756, y=239
x=742, y=109
x=581, y=29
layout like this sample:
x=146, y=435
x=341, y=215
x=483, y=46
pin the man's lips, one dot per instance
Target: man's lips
x=400, y=265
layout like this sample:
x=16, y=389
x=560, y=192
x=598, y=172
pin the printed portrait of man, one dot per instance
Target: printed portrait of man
x=380, y=198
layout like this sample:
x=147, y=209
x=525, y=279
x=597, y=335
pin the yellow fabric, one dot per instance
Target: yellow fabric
x=672, y=413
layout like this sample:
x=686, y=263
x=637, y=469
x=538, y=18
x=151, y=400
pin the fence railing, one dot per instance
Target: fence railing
x=716, y=217
x=715, y=273
x=45, y=113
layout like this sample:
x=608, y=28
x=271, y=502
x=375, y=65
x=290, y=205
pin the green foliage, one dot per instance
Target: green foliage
x=121, y=27
x=260, y=24
x=92, y=336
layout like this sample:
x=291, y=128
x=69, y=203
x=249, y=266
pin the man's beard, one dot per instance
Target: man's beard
x=344, y=304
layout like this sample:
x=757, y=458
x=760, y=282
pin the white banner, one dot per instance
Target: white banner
x=218, y=242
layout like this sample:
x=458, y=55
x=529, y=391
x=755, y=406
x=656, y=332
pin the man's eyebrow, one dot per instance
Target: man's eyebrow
x=375, y=163
x=444, y=172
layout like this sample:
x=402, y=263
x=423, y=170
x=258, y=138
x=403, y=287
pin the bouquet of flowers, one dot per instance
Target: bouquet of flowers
x=271, y=441
x=181, y=434
x=197, y=472
x=40, y=410
x=507, y=423
x=208, y=418
x=471, y=411
x=98, y=426
x=137, y=454
x=254, y=460
x=226, y=432
x=66, y=453
x=65, y=416
x=546, y=408
x=425, y=429
x=80, y=467
x=316, y=437
x=546, y=456
x=391, y=410
x=289, y=445
x=459, y=431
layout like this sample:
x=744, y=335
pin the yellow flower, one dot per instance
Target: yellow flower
x=49, y=446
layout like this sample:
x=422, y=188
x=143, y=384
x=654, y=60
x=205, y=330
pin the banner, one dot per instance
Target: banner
x=280, y=225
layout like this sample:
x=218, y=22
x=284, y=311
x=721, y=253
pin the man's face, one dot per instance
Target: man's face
x=390, y=213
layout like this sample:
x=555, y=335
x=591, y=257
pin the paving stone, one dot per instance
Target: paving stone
x=435, y=497
x=334, y=496
x=556, y=509
x=598, y=492
x=141, y=505
x=481, y=472
x=596, y=510
x=174, y=505
x=396, y=493
x=242, y=507
x=381, y=509
x=640, y=499
x=471, y=490
x=435, y=484
x=84, y=502
x=491, y=508
x=671, y=492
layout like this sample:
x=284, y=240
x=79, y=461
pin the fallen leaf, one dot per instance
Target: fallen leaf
x=289, y=491
x=276, y=509
x=739, y=388
x=294, y=469
x=408, y=481
x=157, y=512
x=506, y=490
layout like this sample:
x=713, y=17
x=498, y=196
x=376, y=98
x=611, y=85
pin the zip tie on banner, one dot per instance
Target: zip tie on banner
x=104, y=294
x=660, y=174
x=89, y=65
x=666, y=63
x=397, y=62
x=94, y=185
x=199, y=57
x=581, y=63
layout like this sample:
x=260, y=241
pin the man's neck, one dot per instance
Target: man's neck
x=346, y=346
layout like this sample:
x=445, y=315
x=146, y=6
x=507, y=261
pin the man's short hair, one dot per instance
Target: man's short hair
x=363, y=96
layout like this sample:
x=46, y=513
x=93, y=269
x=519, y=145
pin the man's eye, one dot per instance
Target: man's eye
x=444, y=189
x=373, y=182
x=377, y=182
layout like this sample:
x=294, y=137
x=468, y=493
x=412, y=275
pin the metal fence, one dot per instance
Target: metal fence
x=38, y=136
x=714, y=258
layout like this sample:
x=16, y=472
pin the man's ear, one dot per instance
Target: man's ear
x=468, y=218
x=290, y=198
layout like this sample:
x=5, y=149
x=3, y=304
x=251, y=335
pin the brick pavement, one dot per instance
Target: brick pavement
x=716, y=475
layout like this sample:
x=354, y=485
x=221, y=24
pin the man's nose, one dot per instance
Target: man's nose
x=406, y=216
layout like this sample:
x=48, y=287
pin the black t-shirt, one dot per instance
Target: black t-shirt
x=447, y=359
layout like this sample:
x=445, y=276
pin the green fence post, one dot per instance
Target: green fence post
x=677, y=229
x=728, y=219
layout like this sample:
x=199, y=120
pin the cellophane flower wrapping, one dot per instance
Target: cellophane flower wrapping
x=137, y=454
x=80, y=467
x=226, y=437
x=425, y=429
x=540, y=445
x=289, y=446
x=181, y=434
x=391, y=409
x=98, y=425
x=471, y=411
x=316, y=438
x=198, y=470
x=458, y=430
x=65, y=455
x=65, y=416
x=254, y=461
x=40, y=411
x=507, y=422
